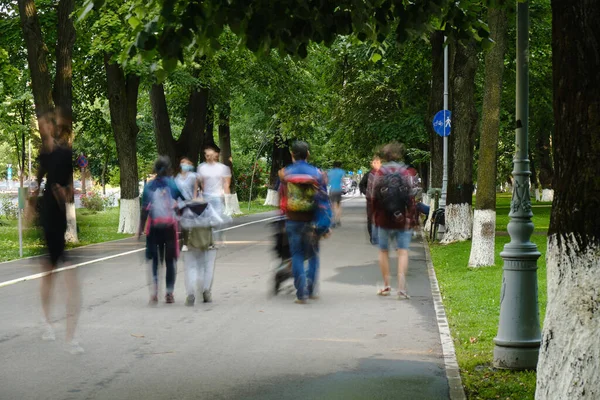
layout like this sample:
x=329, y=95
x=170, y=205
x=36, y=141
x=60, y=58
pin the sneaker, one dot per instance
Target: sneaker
x=190, y=300
x=74, y=347
x=169, y=299
x=402, y=295
x=314, y=297
x=48, y=334
x=184, y=248
x=300, y=301
x=386, y=291
x=207, y=296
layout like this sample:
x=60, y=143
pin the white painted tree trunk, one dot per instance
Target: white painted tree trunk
x=547, y=195
x=484, y=234
x=129, y=215
x=459, y=223
x=71, y=233
x=429, y=225
x=538, y=194
x=232, y=205
x=569, y=363
x=272, y=198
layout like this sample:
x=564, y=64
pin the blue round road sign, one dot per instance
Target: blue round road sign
x=82, y=161
x=442, y=122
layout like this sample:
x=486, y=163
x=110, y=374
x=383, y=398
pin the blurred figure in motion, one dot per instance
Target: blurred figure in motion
x=366, y=188
x=215, y=180
x=187, y=182
x=56, y=164
x=334, y=178
x=301, y=183
x=159, y=211
x=394, y=213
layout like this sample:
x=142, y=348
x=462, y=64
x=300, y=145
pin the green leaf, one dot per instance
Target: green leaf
x=375, y=57
x=134, y=22
x=89, y=5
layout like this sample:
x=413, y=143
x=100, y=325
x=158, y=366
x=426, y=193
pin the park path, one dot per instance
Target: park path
x=350, y=344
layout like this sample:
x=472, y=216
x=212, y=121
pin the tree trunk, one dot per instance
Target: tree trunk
x=190, y=142
x=545, y=170
x=569, y=363
x=280, y=157
x=36, y=57
x=484, y=226
x=209, y=133
x=225, y=143
x=162, y=124
x=461, y=143
x=122, y=98
x=63, y=80
x=436, y=103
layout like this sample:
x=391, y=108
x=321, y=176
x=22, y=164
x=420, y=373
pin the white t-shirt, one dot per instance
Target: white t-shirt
x=212, y=177
x=186, y=184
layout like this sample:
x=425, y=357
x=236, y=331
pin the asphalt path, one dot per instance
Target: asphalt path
x=349, y=344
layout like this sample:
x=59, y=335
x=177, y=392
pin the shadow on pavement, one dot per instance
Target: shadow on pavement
x=372, y=379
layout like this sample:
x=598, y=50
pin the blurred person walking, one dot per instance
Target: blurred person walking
x=366, y=188
x=215, y=182
x=56, y=164
x=159, y=212
x=394, y=214
x=187, y=183
x=301, y=186
x=334, y=179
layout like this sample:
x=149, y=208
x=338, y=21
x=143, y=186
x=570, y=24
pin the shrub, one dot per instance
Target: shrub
x=8, y=207
x=93, y=201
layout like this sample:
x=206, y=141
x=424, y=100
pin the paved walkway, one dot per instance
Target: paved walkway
x=350, y=344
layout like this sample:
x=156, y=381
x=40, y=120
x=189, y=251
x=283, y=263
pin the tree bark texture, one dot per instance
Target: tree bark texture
x=464, y=125
x=190, y=142
x=436, y=103
x=209, y=134
x=569, y=363
x=63, y=80
x=37, y=52
x=490, y=124
x=122, y=98
x=280, y=157
x=225, y=143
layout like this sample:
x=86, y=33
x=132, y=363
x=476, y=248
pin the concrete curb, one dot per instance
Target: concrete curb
x=457, y=391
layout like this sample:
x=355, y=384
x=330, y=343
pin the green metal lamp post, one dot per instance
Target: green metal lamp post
x=518, y=341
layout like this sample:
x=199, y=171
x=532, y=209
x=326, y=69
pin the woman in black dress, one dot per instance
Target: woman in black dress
x=56, y=164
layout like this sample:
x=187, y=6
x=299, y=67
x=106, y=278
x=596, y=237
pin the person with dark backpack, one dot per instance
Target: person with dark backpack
x=394, y=214
x=305, y=203
x=159, y=221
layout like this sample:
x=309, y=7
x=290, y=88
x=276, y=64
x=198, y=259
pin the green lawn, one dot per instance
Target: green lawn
x=256, y=206
x=472, y=302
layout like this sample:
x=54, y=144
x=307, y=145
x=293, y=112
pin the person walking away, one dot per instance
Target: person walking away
x=187, y=183
x=301, y=183
x=55, y=163
x=334, y=178
x=159, y=211
x=215, y=181
x=366, y=188
x=394, y=214
x=199, y=219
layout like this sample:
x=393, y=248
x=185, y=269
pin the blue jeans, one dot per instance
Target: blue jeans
x=401, y=237
x=303, y=245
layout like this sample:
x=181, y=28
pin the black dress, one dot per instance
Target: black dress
x=57, y=166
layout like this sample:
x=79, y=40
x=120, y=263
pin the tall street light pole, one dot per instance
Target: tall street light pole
x=517, y=344
x=445, y=167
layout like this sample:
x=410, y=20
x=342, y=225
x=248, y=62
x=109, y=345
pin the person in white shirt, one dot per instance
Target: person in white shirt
x=215, y=180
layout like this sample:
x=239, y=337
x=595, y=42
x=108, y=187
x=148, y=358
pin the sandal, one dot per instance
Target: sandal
x=386, y=291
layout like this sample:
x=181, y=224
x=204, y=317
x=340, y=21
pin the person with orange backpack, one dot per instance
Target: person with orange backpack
x=306, y=205
x=159, y=220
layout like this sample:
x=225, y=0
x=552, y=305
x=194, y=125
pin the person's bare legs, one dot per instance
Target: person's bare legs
x=384, y=265
x=46, y=290
x=402, y=269
x=73, y=302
